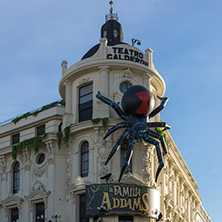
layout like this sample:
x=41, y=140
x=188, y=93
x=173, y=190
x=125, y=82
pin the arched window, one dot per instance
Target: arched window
x=123, y=148
x=85, y=159
x=16, y=177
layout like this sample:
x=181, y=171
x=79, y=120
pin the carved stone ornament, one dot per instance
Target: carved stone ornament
x=84, y=81
x=146, y=168
x=128, y=73
x=38, y=185
x=2, y=164
x=40, y=172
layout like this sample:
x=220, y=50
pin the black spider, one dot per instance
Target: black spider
x=137, y=104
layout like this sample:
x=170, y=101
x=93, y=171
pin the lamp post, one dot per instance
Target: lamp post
x=56, y=216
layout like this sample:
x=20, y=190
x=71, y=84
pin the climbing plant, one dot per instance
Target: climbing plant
x=35, y=113
x=104, y=122
x=34, y=142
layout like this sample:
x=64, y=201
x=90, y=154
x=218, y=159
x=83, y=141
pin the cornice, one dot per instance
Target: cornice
x=86, y=67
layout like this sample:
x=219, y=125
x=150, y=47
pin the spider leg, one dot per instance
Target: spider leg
x=160, y=107
x=128, y=155
x=159, y=124
x=159, y=155
x=118, y=143
x=161, y=139
x=116, y=127
x=115, y=106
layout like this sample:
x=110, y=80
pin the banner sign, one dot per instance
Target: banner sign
x=122, y=199
x=126, y=53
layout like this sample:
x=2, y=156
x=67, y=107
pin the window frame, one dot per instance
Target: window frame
x=16, y=178
x=15, y=138
x=39, y=212
x=85, y=109
x=40, y=130
x=84, y=159
x=15, y=217
x=82, y=214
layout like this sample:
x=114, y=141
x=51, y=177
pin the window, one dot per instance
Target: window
x=40, y=212
x=125, y=219
x=15, y=138
x=16, y=177
x=124, y=148
x=85, y=102
x=14, y=214
x=82, y=209
x=40, y=130
x=85, y=159
x=40, y=158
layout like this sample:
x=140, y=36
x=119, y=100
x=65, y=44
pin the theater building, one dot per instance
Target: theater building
x=52, y=161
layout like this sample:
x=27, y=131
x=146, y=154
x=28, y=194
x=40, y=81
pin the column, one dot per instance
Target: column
x=64, y=66
x=146, y=81
x=149, y=56
x=104, y=89
x=68, y=109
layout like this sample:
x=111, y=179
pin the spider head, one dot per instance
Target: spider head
x=137, y=101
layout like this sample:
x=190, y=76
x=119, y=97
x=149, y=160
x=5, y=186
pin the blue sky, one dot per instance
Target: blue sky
x=36, y=35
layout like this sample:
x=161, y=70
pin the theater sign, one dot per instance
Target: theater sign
x=122, y=199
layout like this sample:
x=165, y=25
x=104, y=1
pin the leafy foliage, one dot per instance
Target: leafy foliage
x=35, y=113
x=34, y=142
x=104, y=122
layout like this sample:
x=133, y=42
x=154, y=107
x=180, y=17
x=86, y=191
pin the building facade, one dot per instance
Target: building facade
x=48, y=158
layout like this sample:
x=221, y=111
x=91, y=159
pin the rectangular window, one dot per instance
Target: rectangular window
x=85, y=102
x=82, y=209
x=125, y=219
x=15, y=138
x=40, y=130
x=14, y=215
x=40, y=212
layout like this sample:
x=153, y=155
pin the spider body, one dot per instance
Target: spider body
x=137, y=104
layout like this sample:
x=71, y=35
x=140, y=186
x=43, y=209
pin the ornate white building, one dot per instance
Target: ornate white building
x=43, y=173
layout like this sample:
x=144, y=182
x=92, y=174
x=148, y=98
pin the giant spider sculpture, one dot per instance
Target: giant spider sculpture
x=137, y=104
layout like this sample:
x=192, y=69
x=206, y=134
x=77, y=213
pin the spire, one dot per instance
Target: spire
x=111, y=14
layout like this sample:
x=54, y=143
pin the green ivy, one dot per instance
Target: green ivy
x=59, y=137
x=161, y=132
x=104, y=122
x=34, y=142
x=35, y=113
x=67, y=133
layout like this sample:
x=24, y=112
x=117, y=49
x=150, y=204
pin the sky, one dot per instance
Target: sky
x=36, y=35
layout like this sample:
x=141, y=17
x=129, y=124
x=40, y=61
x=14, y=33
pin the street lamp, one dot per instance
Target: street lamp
x=41, y=218
x=56, y=216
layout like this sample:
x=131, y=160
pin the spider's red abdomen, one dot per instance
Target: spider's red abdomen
x=137, y=100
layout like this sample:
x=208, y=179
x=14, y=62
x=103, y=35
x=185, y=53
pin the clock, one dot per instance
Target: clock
x=124, y=86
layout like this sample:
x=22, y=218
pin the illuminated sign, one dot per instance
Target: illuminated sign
x=122, y=199
x=127, y=54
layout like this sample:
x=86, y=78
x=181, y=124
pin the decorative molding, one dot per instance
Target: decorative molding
x=78, y=186
x=84, y=81
x=128, y=73
x=2, y=164
x=11, y=200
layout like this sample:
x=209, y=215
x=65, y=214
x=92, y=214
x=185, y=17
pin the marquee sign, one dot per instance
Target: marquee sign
x=122, y=199
x=126, y=53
